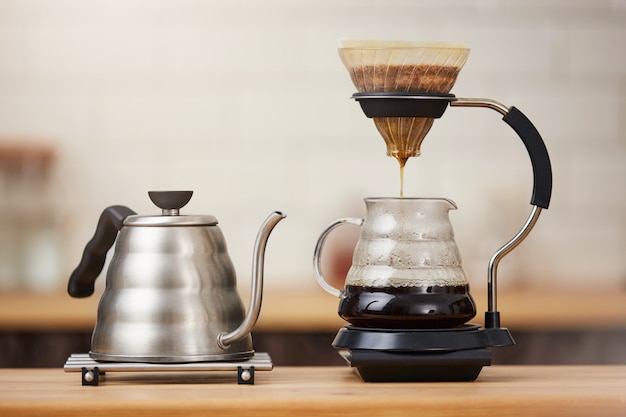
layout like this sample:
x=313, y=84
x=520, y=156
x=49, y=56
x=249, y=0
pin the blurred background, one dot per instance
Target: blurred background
x=247, y=103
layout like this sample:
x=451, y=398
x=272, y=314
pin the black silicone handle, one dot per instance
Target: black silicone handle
x=542, y=169
x=82, y=280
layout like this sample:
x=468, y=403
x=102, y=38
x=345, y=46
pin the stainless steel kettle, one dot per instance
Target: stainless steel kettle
x=170, y=292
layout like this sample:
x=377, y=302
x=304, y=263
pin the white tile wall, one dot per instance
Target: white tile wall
x=247, y=103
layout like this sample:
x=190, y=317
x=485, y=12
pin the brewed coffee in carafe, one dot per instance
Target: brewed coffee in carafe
x=403, y=67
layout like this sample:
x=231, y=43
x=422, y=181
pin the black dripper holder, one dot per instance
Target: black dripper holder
x=447, y=354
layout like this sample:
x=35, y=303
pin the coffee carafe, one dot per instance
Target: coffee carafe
x=406, y=297
x=170, y=294
x=406, y=270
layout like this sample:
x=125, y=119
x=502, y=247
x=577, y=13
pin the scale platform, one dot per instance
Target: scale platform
x=419, y=355
x=381, y=366
x=92, y=371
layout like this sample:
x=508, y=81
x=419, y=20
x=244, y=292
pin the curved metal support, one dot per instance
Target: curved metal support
x=502, y=252
x=492, y=308
x=480, y=102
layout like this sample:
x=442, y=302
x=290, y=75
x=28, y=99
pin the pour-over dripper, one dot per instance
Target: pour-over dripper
x=403, y=67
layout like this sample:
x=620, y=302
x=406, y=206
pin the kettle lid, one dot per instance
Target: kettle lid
x=170, y=203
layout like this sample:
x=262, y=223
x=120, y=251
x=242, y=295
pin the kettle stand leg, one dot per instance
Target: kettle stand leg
x=91, y=377
x=245, y=375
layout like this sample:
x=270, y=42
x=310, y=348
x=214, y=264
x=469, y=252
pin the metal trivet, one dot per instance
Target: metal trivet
x=91, y=370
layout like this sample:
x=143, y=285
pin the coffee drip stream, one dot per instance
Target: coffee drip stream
x=406, y=297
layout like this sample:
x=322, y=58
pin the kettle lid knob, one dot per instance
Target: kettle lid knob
x=170, y=202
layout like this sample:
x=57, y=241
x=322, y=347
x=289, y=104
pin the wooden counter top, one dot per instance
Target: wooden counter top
x=317, y=311
x=513, y=391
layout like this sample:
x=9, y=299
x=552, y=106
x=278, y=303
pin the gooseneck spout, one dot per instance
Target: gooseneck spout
x=256, y=293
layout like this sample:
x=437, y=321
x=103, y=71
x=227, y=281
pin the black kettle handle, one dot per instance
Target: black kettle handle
x=82, y=280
